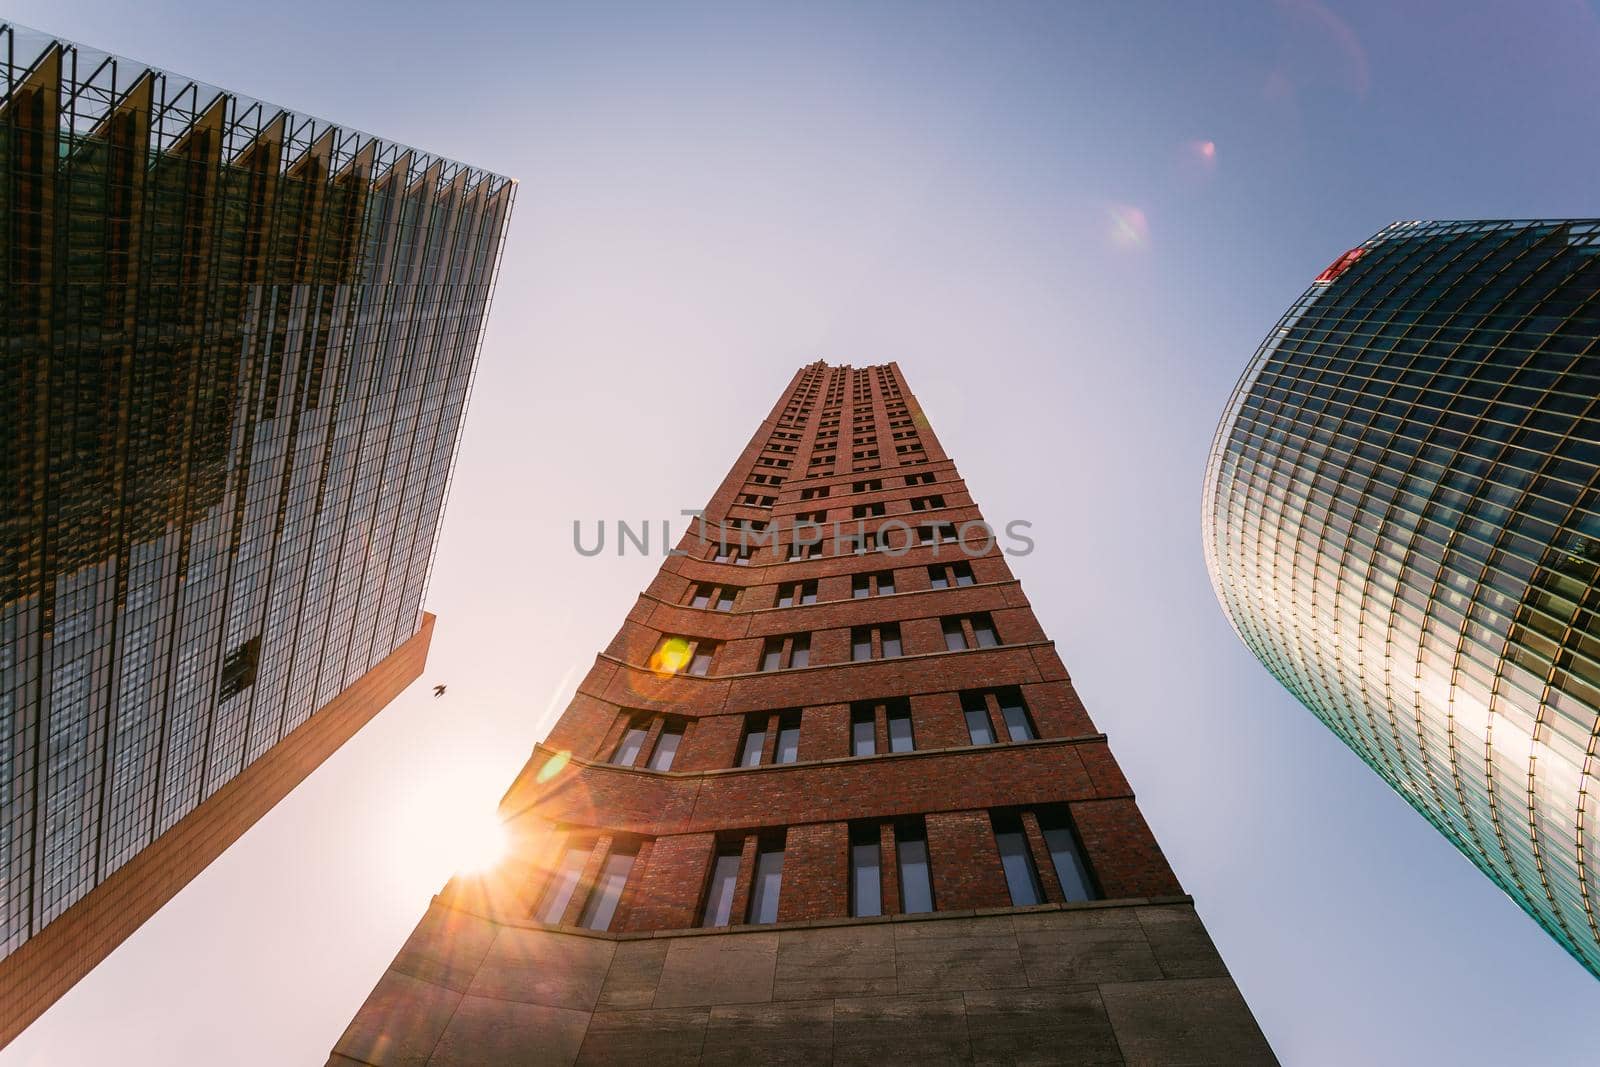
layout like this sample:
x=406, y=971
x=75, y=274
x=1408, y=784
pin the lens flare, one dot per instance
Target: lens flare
x=552, y=766
x=671, y=658
x=1129, y=228
x=479, y=844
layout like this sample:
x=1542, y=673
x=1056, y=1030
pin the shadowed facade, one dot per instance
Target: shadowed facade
x=238, y=346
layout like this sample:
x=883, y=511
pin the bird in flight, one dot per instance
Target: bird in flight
x=438, y=691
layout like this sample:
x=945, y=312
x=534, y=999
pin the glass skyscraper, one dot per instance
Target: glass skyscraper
x=238, y=346
x=1402, y=521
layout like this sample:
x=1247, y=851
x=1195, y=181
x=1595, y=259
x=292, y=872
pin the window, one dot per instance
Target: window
x=863, y=732
x=810, y=550
x=814, y=492
x=719, y=892
x=736, y=554
x=1014, y=712
x=788, y=750
x=1016, y=861
x=911, y=854
x=666, y=749
x=937, y=532
x=781, y=653
x=879, y=584
x=794, y=593
x=607, y=891
x=755, y=740
x=962, y=632
x=683, y=655
x=558, y=894
x=863, y=511
x=887, y=640
x=1066, y=856
x=900, y=736
x=712, y=596
x=926, y=503
x=768, y=881
x=627, y=751
x=962, y=572
x=979, y=726
x=866, y=871
x=871, y=485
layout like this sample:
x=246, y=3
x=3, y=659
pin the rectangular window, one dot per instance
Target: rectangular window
x=1017, y=861
x=772, y=654
x=979, y=727
x=607, y=892
x=963, y=573
x=724, y=600
x=861, y=586
x=702, y=596
x=682, y=655
x=863, y=731
x=768, y=882
x=890, y=636
x=558, y=894
x=719, y=892
x=920, y=479
x=1066, y=857
x=983, y=629
x=627, y=751
x=938, y=578
x=900, y=736
x=755, y=739
x=861, y=643
x=800, y=651
x=788, y=750
x=866, y=871
x=955, y=638
x=885, y=582
x=1019, y=724
x=871, y=485
x=863, y=511
x=916, y=882
x=700, y=665
x=666, y=749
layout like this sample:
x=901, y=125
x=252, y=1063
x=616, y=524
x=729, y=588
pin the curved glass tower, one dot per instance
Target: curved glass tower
x=1401, y=521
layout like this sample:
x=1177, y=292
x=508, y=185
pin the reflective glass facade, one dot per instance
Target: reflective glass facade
x=238, y=346
x=1401, y=519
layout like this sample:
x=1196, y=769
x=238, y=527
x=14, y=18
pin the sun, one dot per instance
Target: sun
x=478, y=845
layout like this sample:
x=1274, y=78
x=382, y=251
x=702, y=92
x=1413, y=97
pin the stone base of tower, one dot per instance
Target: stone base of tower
x=1111, y=982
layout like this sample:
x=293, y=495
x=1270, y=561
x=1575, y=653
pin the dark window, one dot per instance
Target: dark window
x=900, y=735
x=800, y=651
x=558, y=894
x=666, y=749
x=963, y=573
x=937, y=577
x=979, y=726
x=866, y=871
x=627, y=752
x=955, y=638
x=607, y=892
x=871, y=485
x=890, y=637
x=702, y=596
x=788, y=749
x=863, y=731
x=767, y=884
x=755, y=739
x=720, y=890
x=239, y=669
x=861, y=586
x=1019, y=724
x=772, y=654
x=983, y=629
x=863, y=511
x=861, y=643
x=1066, y=856
x=911, y=853
x=1016, y=861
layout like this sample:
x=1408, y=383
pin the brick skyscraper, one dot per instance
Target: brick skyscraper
x=820, y=801
x=238, y=345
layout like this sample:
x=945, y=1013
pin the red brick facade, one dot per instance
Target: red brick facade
x=834, y=429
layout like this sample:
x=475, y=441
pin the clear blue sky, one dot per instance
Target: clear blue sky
x=712, y=196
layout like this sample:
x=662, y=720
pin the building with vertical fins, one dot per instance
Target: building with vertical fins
x=827, y=796
x=1402, y=521
x=238, y=346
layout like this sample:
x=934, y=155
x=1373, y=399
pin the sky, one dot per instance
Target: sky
x=1013, y=201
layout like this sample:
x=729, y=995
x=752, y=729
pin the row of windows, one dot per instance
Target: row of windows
x=869, y=720
x=913, y=869
x=677, y=654
x=974, y=537
x=818, y=492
